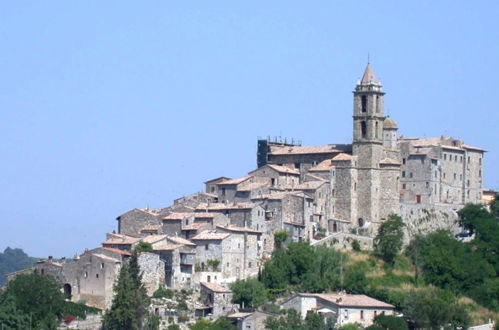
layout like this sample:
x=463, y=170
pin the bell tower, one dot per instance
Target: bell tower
x=367, y=148
x=368, y=109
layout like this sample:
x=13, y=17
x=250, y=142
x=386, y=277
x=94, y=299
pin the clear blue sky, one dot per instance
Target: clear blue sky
x=110, y=105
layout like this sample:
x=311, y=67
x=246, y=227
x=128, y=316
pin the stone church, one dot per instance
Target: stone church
x=425, y=180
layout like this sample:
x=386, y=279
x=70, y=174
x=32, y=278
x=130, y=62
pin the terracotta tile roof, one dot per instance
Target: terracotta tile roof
x=353, y=300
x=342, y=156
x=118, y=251
x=252, y=186
x=167, y=247
x=210, y=236
x=150, y=228
x=151, y=239
x=51, y=263
x=389, y=161
x=103, y=257
x=279, y=195
x=223, y=206
x=310, y=185
x=234, y=181
x=221, y=178
x=324, y=166
x=194, y=226
x=300, y=150
x=180, y=240
x=315, y=177
x=120, y=239
x=178, y=216
x=215, y=287
x=473, y=148
x=284, y=169
x=239, y=229
x=201, y=215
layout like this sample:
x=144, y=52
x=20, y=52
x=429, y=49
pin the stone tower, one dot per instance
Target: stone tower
x=367, y=148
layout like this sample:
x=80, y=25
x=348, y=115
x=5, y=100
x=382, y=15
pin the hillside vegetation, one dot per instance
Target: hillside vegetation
x=437, y=280
x=12, y=260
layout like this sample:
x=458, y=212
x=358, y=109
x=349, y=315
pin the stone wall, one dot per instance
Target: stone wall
x=153, y=271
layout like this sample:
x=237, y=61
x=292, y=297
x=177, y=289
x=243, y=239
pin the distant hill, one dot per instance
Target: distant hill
x=12, y=260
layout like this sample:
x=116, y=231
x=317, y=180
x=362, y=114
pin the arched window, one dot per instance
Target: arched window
x=363, y=129
x=376, y=130
x=363, y=103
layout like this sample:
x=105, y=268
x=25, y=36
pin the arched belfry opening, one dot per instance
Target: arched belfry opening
x=363, y=129
x=363, y=100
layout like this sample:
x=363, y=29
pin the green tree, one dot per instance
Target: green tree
x=122, y=315
x=434, y=308
x=388, y=241
x=388, y=322
x=289, y=321
x=38, y=297
x=143, y=247
x=249, y=293
x=173, y=327
x=280, y=236
x=141, y=301
x=350, y=326
x=314, y=321
x=10, y=316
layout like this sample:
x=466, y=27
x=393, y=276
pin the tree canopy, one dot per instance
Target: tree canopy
x=388, y=241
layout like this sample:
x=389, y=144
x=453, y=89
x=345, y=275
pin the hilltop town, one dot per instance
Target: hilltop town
x=329, y=195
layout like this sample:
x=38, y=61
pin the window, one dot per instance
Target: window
x=96, y=275
x=403, y=186
x=206, y=246
x=461, y=159
x=422, y=161
x=445, y=156
x=444, y=175
x=376, y=130
x=455, y=158
x=272, y=182
x=410, y=175
x=361, y=222
x=455, y=176
x=208, y=278
x=364, y=103
x=480, y=161
x=223, y=191
x=102, y=265
x=403, y=161
x=249, y=264
x=363, y=129
x=418, y=199
x=427, y=184
x=361, y=314
x=85, y=275
x=403, y=174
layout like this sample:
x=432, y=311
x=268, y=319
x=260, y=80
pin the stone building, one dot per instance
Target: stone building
x=347, y=308
x=217, y=299
x=380, y=173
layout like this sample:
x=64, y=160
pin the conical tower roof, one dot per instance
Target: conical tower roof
x=369, y=78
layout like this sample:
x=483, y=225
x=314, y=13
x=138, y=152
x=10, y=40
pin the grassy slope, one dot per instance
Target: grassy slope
x=401, y=279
